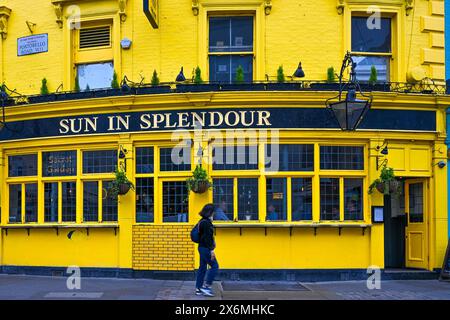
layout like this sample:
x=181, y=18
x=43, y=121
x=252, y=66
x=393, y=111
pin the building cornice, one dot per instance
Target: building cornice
x=381, y=100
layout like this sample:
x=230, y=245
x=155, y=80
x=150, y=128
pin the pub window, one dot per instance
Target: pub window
x=372, y=46
x=144, y=200
x=51, y=202
x=15, y=203
x=69, y=203
x=31, y=202
x=276, y=199
x=341, y=158
x=144, y=160
x=109, y=203
x=289, y=157
x=90, y=201
x=329, y=199
x=22, y=165
x=99, y=161
x=247, y=199
x=94, y=42
x=416, y=204
x=59, y=163
x=175, y=159
x=353, y=199
x=301, y=199
x=223, y=195
x=235, y=157
x=175, y=201
x=230, y=46
x=94, y=206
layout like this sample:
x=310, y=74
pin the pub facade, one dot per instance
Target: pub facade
x=291, y=184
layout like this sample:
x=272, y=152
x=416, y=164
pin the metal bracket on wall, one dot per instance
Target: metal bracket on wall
x=315, y=231
x=28, y=231
x=87, y=231
x=57, y=231
x=340, y=228
x=290, y=231
x=363, y=230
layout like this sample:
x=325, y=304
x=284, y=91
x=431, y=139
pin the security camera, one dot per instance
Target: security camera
x=442, y=164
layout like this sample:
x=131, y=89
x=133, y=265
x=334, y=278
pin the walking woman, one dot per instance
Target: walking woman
x=206, y=248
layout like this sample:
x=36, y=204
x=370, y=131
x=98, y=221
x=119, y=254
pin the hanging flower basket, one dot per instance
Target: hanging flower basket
x=124, y=188
x=387, y=183
x=199, y=182
x=200, y=186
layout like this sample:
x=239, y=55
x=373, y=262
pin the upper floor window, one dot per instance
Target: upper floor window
x=230, y=47
x=372, y=46
x=94, y=56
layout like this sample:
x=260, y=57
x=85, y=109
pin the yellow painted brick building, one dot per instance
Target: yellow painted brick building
x=58, y=151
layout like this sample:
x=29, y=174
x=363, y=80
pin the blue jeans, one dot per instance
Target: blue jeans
x=205, y=260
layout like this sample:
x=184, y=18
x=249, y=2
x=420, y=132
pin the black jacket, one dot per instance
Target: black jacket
x=207, y=234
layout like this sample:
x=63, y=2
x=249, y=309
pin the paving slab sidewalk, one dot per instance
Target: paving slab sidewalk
x=44, y=288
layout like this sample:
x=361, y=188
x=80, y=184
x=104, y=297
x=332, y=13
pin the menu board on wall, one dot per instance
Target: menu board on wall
x=59, y=163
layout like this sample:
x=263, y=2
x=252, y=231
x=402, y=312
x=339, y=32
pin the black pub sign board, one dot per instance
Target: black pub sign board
x=281, y=118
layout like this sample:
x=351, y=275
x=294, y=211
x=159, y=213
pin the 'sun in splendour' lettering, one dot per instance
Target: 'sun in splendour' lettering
x=147, y=121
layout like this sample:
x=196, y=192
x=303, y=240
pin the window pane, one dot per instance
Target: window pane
x=219, y=34
x=341, y=158
x=144, y=200
x=90, y=201
x=69, y=203
x=231, y=34
x=235, y=157
x=31, y=204
x=59, y=163
x=175, y=201
x=223, y=198
x=369, y=37
x=416, y=202
x=276, y=199
x=364, y=67
x=21, y=166
x=248, y=199
x=51, y=202
x=289, y=157
x=109, y=203
x=329, y=199
x=242, y=34
x=353, y=201
x=144, y=160
x=101, y=161
x=223, y=68
x=301, y=199
x=95, y=75
x=175, y=159
x=15, y=203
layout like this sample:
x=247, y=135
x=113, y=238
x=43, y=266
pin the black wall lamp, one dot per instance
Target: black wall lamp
x=123, y=156
x=180, y=76
x=384, y=151
x=3, y=97
x=441, y=164
x=299, y=73
x=349, y=112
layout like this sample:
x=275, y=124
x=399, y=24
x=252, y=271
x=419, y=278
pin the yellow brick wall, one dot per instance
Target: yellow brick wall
x=165, y=247
x=309, y=31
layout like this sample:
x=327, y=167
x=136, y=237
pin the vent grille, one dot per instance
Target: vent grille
x=95, y=37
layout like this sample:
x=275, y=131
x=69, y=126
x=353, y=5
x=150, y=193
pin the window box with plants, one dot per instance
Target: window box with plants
x=199, y=182
x=198, y=84
x=281, y=84
x=120, y=185
x=387, y=183
x=76, y=94
x=45, y=95
x=155, y=88
x=373, y=84
x=115, y=90
x=331, y=84
x=239, y=83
